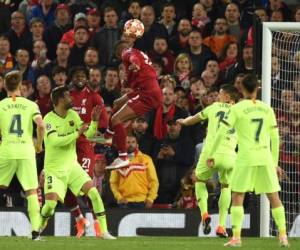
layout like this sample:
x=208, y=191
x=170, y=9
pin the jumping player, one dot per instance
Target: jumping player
x=145, y=96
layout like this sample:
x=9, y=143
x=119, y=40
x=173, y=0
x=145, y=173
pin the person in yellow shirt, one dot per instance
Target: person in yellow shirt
x=135, y=186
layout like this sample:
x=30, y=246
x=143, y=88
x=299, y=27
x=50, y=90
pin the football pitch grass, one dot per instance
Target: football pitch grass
x=137, y=243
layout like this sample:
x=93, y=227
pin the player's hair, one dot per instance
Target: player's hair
x=12, y=80
x=119, y=44
x=231, y=91
x=250, y=83
x=57, y=93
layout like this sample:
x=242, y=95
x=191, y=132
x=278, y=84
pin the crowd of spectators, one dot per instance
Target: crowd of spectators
x=195, y=47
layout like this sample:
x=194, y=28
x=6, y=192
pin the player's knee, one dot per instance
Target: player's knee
x=93, y=194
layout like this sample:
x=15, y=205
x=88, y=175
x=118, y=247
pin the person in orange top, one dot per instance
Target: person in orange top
x=220, y=37
x=6, y=59
x=135, y=186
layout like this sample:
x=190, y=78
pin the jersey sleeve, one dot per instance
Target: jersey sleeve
x=55, y=139
x=203, y=114
x=92, y=127
x=275, y=138
x=35, y=110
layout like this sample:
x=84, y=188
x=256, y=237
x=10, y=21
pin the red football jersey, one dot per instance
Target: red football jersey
x=144, y=79
x=83, y=103
x=44, y=104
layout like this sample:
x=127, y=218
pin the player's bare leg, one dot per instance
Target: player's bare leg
x=237, y=216
x=33, y=208
x=202, y=196
x=117, y=122
x=118, y=103
x=48, y=209
x=278, y=214
x=81, y=222
x=98, y=208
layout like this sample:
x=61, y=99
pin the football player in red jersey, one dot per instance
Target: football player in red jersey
x=84, y=100
x=145, y=96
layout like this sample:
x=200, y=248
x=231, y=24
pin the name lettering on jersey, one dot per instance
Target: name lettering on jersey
x=15, y=106
x=224, y=105
x=255, y=108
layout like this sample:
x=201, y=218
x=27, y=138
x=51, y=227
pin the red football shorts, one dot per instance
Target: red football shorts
x=144, y=101
x=86, y=157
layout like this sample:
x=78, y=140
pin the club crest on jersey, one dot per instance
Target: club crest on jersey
x=71, y=123
x=48, y=126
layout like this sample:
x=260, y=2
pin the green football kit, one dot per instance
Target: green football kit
x=224, y=161
x=62, y=170
x=258, y=147
x=225, y=156
x=257, y=157
x=61, y=167
x=17, y=152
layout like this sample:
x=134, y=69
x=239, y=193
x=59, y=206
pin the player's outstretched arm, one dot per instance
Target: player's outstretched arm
x=189, y=121
x=40, y=131
x=55, y=139
x=92, y=129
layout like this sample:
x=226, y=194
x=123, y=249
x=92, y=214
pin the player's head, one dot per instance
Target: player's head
x=12, y=80
x=79, y=76
x=60, y=96
x=229, y=94
x=120, y=46
x=249, y=84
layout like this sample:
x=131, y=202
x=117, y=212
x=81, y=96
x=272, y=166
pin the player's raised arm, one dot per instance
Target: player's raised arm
x=92, y=129
x=189, y=121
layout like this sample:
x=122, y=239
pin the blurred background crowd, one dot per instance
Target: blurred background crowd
x=195, y=47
